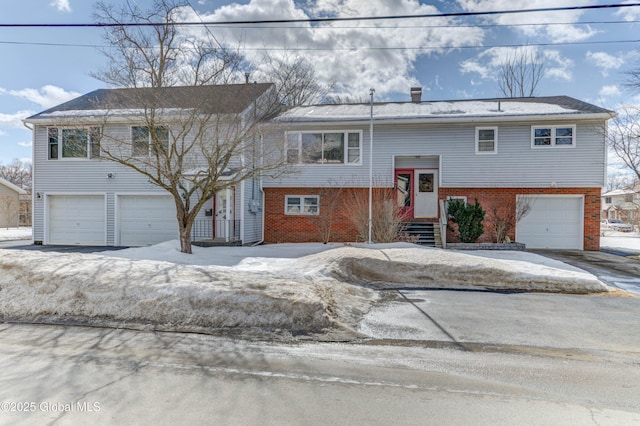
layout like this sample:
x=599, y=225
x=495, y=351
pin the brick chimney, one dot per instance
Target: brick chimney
x=416, y=94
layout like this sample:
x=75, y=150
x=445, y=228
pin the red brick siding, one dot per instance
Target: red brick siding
x=280, y=227
x=491, y=197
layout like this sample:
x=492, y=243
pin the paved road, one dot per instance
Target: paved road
x=73, y=376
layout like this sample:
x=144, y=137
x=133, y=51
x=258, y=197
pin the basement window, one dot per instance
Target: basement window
x=302, y=205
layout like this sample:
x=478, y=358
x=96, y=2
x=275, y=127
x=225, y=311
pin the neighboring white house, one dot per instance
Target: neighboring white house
x=623, y=204
x=548, y=149
x=10, y=204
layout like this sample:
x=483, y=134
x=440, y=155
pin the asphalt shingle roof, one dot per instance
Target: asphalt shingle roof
x=218, y=99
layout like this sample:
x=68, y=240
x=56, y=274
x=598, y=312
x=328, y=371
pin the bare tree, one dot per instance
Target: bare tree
x=623, y=136
x=18, y=173
x=520, y=72
x=632, y=76
x=387, y=224
x=160, y=55
x=295, y=78
x=191, y=141
x=503, y=218
x=331, y=197
x=618, y=180
x=9, y=210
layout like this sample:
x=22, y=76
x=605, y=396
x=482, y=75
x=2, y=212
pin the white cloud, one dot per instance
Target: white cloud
x=356, y=55
x=27, y=160
x=26, y=144
x=474, y=66
x=557, y=66
x=61, y=5
x=46, y=96
x=14, y=120
x=566, y=32
x=610, y=90
x=629, y=13
x=605, y=61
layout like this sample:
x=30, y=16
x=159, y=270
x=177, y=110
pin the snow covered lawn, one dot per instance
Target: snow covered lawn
x=624, y=241
x=15, y=234
x=298, y=288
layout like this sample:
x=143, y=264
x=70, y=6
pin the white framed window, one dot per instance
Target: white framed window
x=308, y=205
x=456, y=197
x=142, y=139
x=73, y=143
x=561, y=136
x=486, y=140
x=319, y=148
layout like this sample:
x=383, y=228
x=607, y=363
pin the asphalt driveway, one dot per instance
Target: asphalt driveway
x=613, y=269
x=27, y=245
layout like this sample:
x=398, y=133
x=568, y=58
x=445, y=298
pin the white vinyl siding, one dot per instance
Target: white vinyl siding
x=515, y=164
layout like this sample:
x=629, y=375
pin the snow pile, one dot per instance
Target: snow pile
x=110, y=291
x=13, y=234
x=394, y=268
x=327, y=291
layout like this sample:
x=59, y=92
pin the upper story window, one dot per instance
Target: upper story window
x=486, y=140
x=142, y=138
x=607, y=200
x=324, y=147
x=69, y=143
x=553, y=136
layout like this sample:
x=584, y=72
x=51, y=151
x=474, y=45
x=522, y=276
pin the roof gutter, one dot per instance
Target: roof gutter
x=453, y=120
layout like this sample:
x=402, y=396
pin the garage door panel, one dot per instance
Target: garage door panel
x=76, y=220
x=146, y=220
x=552, y=223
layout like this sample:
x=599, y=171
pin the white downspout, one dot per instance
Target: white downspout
x=33, y=178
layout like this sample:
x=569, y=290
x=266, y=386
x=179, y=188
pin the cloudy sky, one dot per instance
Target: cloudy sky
x=585, y=52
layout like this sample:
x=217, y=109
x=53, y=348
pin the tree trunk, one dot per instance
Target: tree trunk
x=185, y=237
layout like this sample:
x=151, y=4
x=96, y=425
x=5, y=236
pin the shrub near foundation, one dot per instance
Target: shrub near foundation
x=468, y=218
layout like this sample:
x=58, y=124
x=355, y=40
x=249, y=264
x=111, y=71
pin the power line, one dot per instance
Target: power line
x=350, y=48
x=329, y=19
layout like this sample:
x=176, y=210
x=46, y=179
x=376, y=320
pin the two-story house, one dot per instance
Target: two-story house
x=82, y=198
x=551, y=150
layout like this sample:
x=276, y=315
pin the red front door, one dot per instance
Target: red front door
x=404, y=192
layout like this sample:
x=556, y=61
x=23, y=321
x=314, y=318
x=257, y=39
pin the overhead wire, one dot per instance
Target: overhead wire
x=258, y=25
x=326, y=19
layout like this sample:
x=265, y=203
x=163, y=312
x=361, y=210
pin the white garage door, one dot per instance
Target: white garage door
x=553, y=222
x=76, y=220
x=146, y=220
